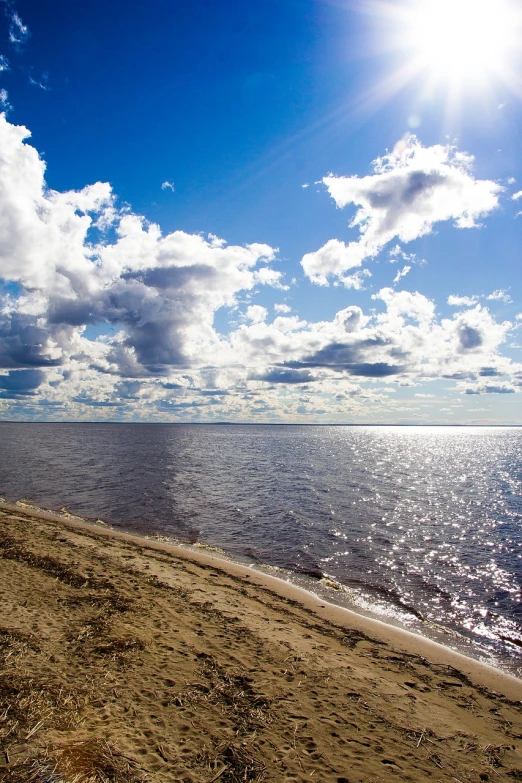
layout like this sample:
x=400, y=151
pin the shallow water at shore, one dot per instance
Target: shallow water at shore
x=421, y=526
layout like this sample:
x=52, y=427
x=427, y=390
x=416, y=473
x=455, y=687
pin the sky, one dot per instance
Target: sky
x=289, y=211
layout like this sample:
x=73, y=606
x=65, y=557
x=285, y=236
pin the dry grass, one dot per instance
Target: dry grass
x=10, y=549
x=27, y=705
x=233, y=763
x=15, y=643
x=90, y=761
x=111, y=603
x=232, y=691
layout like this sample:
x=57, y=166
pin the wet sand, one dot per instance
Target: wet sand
x=125, y=659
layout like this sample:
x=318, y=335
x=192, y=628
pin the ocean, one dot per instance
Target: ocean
x=418, y=526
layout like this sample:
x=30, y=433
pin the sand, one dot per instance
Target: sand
x=124, y=659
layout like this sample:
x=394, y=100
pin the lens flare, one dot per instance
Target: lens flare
x=463, y=40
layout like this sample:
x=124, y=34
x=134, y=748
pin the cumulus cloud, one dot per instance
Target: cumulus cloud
x=152, y=298
x=160, y=291
x=411, y=189
x=517, y=195
x=256, y=313
x=462, y=301
x=500, y=295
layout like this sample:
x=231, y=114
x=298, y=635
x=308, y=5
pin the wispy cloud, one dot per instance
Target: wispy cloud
x=18, y=31
x=401, y=273
x=4, y=63
x=4, y=100
x=168, y=186
x=500, y=295
x=42, y=83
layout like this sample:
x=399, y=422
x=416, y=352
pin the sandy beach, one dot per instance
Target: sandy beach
x=126, y=659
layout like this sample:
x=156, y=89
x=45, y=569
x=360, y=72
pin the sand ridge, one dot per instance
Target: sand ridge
x=122, y=660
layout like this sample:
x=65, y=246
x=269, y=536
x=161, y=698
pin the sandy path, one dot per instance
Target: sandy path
x=125, y=658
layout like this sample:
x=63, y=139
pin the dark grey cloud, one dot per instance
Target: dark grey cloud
x=489, y=372
x=376, y=370
x=282, y=375
x=22, y=343
x=353, y=358
x=489, y=389
x=18, y=384
x=73, y=312
x=463, y=375
x=178, y=277
x=469, y=337
x=214, y=392
x=399, y=192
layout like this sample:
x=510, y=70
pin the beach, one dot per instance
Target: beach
x=129, y=659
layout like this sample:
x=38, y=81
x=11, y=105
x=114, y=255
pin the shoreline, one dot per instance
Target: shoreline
x=405, y=640
x=128, y=659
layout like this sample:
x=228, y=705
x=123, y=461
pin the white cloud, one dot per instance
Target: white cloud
x=18, y=31
x=162, y=291
x=333, y=258
x=157, y=296
x=412, y=189
x=4, y=63
x=168, y=186
x=256, y=314
x=500, y=295
x=397, y=254
x=517, y=195
x=4, y=99
x=401, y=273
x=356, y=280
x=462, y=301
x=268, y=276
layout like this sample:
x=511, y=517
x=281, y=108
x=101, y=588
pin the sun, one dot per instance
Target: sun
x=460, y=39
x=463, y=41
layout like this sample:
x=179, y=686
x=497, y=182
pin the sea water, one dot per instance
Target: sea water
x=420, y=526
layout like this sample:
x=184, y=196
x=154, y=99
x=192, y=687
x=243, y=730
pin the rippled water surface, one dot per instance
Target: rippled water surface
x=422, y=525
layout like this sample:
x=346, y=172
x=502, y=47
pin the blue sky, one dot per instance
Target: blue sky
x=285, y=211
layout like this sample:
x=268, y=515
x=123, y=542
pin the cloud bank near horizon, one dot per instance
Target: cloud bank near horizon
x=76, y=261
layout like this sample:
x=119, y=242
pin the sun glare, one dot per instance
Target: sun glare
x=463, y=40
